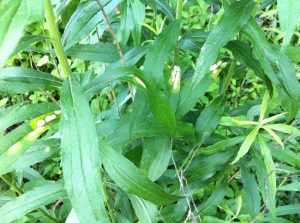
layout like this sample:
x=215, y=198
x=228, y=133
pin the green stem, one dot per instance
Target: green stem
x=179, y=9
x=55, y=38
x=228, y=77
x=108, y=200
x=178, y=16
x=15, y=188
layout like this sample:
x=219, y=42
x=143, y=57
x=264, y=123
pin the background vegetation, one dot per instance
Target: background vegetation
x=149, y=111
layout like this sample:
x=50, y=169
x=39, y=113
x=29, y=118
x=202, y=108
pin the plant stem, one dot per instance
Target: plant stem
x=15, y=188
x=179, y=9
x=55, y=39
x=108, y=200
x=228, y=77
x=178, y=16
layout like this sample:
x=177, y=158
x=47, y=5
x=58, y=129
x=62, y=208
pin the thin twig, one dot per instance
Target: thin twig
x=181, y=180
x=116, y=42
x=111, y=32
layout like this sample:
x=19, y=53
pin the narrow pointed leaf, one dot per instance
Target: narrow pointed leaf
x=145, y=210
x=233, y=19
x=289, y=14
x=105, y=52
x=31, y=200
x=36, y=79
x=11, y=155
x=14, y=16
x=246, y=145
x=130, y=179
x=84, y=20
x=251, y=191
x=80, y=155
x=275, y=64
x=158, y=101
x=21, y=113
x=161, y=48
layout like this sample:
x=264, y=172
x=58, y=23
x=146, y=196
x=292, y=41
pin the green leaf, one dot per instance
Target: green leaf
x=275, y=64
x=283, y=128
x=132, y=17
x=158, y=101
x=131, y=57
x=242, y=52
x=26, y=41
x=161, y=48
x=80, y=155
x=151, y=3
x=204, y=167
x=130, y=179
x=219, y=146
x=290, y=187
x=21, y=113
x=246, y=145
x=233, y=19
x=271, y=170
x=100, y=52
x=37, y=152
x=37, y=80
x=251, y=191
x=289, y=14
x=156, y=156
x=11, y=155
x=288, y=209
x=216, y=197
x=31, y=200
x=210, y=117
x=14, y=136
x=14, y=16
x=293, y=53
x=265, y=179
x=166, y=9
x=128, y=129
x=287, y=156
x=84, y=20
x=145, y=210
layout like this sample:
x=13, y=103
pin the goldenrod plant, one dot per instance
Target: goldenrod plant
x=150, y=111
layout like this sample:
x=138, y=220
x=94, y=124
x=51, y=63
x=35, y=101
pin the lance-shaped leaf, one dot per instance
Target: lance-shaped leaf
x=275, y=64
x=210, y=117
x=271, y=171
x=34, y=80
x=251, y=190
x=290, y=187
x=233, y=19
x=105, y=52
x=11, y=155
x=289, y=14
x=31, y=200
x=145, y=210
x=14, y=136
x=84, y=20
x=156, y=156
x=158, y=101
x=21, y=113
x=130, y=179
x=80, y=155
x=246, y=144
x=219, y=146
x=161, y=48
x=242, y=52
x=14, y=16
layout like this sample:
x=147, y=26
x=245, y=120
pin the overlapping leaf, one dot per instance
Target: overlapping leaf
x=80, y=155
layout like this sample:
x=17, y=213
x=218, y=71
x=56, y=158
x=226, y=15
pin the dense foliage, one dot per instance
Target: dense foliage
x=149, y=111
